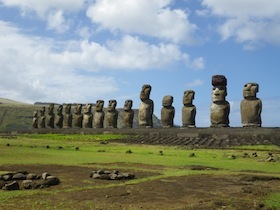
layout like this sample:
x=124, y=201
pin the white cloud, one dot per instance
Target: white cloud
x=52, y=11
x=129, y=53
x=36, y=68
x=30, y=73
x=198, y=63
x=42, y=7
x=57, y=22
x=144, y=17
x=195, y=83
x=250, y=22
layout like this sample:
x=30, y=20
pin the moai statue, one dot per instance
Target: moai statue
x=167, y=112
x=188, y=110
x=59, y=117
x=251, y=106
x=50, y=116
x=128, y=114
x=35, y=119
x=146, y=109
x=220, y=108
x=112, y=115
x=67, y=120
x=78, y=117
x=42, y=118
x=98, y=119
x=87, y=117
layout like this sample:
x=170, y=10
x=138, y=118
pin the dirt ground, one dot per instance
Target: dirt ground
x=78, y=191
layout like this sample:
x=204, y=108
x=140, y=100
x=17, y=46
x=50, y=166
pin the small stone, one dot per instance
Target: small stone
x=45, y=175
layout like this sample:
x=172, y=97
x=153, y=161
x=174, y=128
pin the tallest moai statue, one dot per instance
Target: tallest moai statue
x=220, y=108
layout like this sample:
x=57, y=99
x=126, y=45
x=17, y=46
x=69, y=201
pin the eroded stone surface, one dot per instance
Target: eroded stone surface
x=67, y=119
x=77, y=116
x=220, y=108
x=128, y=114
x=112, y=115
x=167, y=112
x=188, y=110
x=251, y=106
x=146, y=109
x=99, y=114
x=87, y=117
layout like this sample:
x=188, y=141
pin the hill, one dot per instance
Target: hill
x=17, y=116
x=11, y=102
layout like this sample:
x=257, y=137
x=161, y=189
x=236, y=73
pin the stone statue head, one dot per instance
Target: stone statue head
x=188, y=97
x=50, y=109
x=219, y=93
x=99, y=105
x=87, y=108
x=42, y=111
x=68, y=108
x=145, y=92
x=250, y=90
x=78, y=109
x=35, y=114
x=167, y=101
x=112, y=105
x=59, y=110
x=128, y=105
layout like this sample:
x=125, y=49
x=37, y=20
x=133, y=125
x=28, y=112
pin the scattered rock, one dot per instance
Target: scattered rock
x=128, y=152
x=192, y=155
x=31, y=176
x=254, y=154
x=51, y=180
x=245, y=155
x=114, y=175
x=11, y=186
x=2, y=184
x=19, y=176
x=232, y=157
x=45, y=175
x=9, y=181
x=27, y=184
x=270, y=159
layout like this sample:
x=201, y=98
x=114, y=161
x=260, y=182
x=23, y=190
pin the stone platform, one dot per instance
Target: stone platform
x=189, y=137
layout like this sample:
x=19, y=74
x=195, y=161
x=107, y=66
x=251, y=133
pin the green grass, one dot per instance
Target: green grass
x=32, y=149
x=90, y=152
x=259, y=147
x=273, y=201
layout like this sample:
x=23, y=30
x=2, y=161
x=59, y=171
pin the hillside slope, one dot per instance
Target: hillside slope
x=16, y=116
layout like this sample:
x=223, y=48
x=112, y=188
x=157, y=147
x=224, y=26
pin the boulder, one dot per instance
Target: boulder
x=27, y=184
x=11, y=186
x=31, y=176
x=51, y=180
x=45, y=175
x=19, y=176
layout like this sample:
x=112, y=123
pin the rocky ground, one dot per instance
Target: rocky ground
x=78, y=191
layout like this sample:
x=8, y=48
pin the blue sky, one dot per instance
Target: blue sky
x=84, y=50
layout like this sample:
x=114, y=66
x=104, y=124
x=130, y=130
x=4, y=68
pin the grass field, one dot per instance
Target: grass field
x=162, y=166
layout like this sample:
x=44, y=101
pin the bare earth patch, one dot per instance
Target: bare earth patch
x=78, y=191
